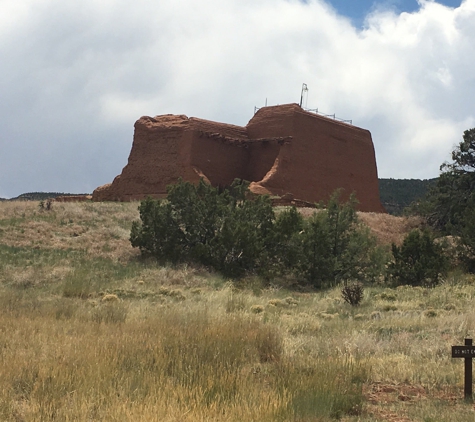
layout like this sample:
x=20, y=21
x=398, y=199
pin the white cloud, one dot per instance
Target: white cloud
x=76, y=76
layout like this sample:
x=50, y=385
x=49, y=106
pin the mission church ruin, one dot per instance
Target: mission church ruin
x=283, y=151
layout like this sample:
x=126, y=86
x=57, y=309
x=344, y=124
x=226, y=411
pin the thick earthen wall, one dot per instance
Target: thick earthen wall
x=324, y=155
x=341, y=156
x=156, y=160
x=283, y=150
x=218, y=159
x=262, y=157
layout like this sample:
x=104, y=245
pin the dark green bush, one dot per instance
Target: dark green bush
x=449, y=207
x=236, y=234
x=466, y=243
x=198, y=223
x=334, y=247
x=420, y=260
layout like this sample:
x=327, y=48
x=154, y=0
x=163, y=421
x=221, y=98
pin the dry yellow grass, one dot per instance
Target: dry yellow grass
x=100, y=229
x=389, y=228
x=180, y=344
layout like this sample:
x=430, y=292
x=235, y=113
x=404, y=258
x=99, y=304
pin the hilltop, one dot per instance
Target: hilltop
x=40, y=196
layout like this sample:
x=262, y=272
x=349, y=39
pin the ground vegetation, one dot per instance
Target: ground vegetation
x=91, y=330
x=238, y=234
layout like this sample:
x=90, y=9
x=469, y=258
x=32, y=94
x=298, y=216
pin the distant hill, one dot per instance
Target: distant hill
x=40, y=196
x=397, y=194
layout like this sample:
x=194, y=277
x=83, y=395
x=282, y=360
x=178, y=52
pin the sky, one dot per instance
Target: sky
x=75, y=76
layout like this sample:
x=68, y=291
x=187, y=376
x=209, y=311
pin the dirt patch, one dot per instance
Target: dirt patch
x=389, y=228
x=391, y=402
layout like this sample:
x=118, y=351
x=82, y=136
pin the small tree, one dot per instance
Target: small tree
x=450, y=206
x=418, y=261
x=157, y=233
x=334, y=247
x=467, y=237
x=283, y=248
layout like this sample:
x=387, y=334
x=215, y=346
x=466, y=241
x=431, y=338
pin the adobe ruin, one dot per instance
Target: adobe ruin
x=283, y=151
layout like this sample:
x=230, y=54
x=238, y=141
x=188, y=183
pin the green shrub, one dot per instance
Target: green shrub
x=467, y=238
x=333, y=247
x=420, y=260
x=221, y=229
x=449, y=207
x=238, y=234
x=284, y=245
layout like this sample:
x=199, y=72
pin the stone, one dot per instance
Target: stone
x=283, y=151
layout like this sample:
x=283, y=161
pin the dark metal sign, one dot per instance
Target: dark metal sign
x=467, y=352
x=463, y=351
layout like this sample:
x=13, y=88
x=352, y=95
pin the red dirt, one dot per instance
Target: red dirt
x=381, y=397
x=283, y=150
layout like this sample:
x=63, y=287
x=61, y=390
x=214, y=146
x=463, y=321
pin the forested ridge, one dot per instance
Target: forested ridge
x=397, y=194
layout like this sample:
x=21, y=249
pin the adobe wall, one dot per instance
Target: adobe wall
x=324, y=155
x=156, y=159
x=169, y=147
x=263, y=154
x=282, y=150
x=219, y=158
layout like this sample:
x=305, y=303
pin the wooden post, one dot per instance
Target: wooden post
x=468, y=373
x=468, y=353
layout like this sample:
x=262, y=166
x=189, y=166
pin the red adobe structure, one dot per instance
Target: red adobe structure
x=283, y=151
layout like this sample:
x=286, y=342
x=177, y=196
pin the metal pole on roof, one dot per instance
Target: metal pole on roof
x=304, y=89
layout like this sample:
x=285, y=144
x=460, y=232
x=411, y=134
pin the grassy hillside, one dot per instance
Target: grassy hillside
x=91, y=332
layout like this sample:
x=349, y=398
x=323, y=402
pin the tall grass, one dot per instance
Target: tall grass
x=176, y=362
x=89, y=332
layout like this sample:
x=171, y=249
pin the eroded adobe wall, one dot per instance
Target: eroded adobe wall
x=169, y=147
x=218, y=151
x=282, y=150
x=324, y=155
x=158, y=157
x=263, y=154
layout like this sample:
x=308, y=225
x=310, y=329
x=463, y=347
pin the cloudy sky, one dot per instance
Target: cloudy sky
x=75, y=75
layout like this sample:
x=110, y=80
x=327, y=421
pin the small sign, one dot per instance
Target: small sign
x=467, y=352
x=463, y=351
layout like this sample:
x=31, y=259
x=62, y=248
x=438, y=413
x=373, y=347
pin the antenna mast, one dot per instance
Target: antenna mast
x=304, y=91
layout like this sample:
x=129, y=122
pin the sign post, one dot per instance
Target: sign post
x=468, y=353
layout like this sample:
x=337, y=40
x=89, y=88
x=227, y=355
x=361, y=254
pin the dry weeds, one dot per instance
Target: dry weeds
x=389, y=228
